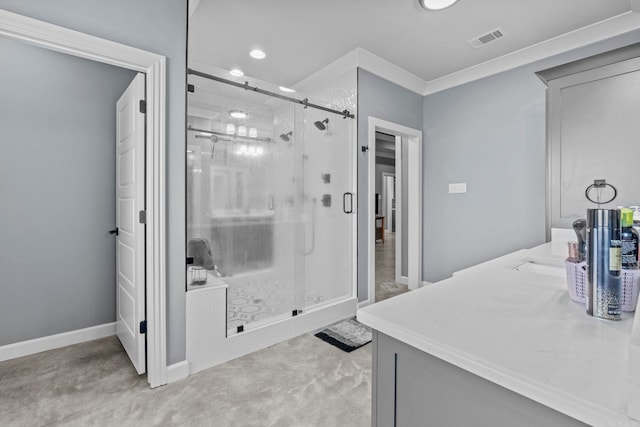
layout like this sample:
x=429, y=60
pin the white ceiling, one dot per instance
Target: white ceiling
x=302, y=36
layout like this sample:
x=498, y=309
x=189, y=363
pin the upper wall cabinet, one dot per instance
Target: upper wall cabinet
x=593, y=132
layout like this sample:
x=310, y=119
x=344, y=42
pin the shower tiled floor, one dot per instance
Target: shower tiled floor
x=257, y=301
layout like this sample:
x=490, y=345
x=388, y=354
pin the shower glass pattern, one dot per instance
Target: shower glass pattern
x=268, y=184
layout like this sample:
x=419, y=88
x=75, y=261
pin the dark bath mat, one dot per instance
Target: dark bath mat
x=347, y=335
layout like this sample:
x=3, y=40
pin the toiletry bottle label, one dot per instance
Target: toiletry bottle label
x=629, y=254
x=615, y=256
x=613, y=310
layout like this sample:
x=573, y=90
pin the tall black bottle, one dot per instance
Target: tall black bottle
x=629, y=237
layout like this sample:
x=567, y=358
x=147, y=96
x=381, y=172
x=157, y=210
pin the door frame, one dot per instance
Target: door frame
x=413, y=138
x=53, y=37
x=385, y=200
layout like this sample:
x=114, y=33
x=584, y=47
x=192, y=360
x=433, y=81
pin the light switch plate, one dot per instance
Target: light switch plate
x=458, y=187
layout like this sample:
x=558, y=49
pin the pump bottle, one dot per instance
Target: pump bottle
x=629, y=240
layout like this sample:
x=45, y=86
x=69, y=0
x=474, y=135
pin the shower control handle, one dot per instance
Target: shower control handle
x=348, y=196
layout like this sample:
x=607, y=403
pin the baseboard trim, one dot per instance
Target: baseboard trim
x=363, y=304
x=51, y=342
x=403, y=280
x=178, y=371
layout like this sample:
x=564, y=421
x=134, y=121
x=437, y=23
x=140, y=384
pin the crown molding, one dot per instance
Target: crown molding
x=389, y=71
x=599, y=31
x=329, y=73
x=362, y=58
x=359, y=57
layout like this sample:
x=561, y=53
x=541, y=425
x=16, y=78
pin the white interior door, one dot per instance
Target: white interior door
x=130, y=247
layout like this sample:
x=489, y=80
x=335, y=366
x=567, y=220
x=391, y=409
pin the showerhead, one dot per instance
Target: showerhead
x=322, y=125
x=286, y=136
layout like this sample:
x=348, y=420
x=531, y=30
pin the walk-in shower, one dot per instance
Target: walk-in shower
x=270, y=200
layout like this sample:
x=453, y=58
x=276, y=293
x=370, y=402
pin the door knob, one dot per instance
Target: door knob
x=114, y=231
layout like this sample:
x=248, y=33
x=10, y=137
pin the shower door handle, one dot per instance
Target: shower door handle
x=348, y=196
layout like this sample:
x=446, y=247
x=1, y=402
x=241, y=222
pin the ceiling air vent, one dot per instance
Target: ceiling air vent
x=486, y=38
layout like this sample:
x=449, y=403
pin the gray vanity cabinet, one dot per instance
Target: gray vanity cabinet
x=412, y=388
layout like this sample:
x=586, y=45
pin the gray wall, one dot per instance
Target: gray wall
x=158, y=26
x=490, y=134
x=57, y=184
x=384, y=100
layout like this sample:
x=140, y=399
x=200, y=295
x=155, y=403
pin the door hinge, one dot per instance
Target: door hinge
x=143, y=327
x=191, y=88
x=364, y=148
x=143, y=106
x=142, y=217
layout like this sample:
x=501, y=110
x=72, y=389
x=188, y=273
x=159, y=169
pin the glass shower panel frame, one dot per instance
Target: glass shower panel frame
x=327, y=188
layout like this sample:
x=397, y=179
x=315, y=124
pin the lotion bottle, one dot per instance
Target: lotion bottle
x=629, y=237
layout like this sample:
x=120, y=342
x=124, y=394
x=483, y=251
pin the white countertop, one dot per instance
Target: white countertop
x=520, y=330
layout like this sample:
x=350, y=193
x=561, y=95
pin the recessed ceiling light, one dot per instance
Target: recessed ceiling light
x=257, y=54
x=237, y=114
x=286, y=89
x=436, y=4
x=236, y=73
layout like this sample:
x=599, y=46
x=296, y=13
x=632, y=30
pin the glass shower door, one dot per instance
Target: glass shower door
x=240, y=200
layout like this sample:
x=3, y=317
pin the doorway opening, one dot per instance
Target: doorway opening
x=395, y=209
x=388, y=186
x=150, y=336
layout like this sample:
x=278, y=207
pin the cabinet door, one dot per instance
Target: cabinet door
x=593, y=134
x=415, y=389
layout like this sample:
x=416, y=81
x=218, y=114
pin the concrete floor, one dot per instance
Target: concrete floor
x=303, y=382
x=300, y=382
